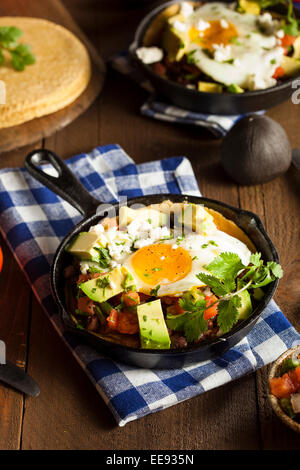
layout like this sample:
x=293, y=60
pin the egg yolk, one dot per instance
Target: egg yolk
x=214, y=34
x=161, y=264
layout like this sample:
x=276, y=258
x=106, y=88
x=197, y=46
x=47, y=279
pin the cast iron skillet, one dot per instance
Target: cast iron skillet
x=212, y=103
x=70, y=189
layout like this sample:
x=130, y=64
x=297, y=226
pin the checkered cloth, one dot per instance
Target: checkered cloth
x=156, y=109
x=34, y=220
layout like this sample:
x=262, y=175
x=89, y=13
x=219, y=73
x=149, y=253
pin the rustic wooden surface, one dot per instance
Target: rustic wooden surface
x=32, y=131
x=69, y=414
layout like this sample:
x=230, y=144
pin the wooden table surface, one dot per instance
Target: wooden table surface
x=69, y=414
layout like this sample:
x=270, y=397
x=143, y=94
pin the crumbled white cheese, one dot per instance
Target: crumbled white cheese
x=221, y=52
x=280, y=34
x=257, y=82
x=174, y=246
x=202, y=25
x=224, y=24
x=186, y=9
x=84, y=268
x=180, y=26
x=149, y=55
x=97, y=228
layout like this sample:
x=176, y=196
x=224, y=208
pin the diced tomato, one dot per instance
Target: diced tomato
x=279, y=72
x=282, y=387
x=294, y=375
x=130, y=299
x=85, y=305
x=128, y=322
x=212, y=311
x=125, y=322
x=1, y=259
x=112, y=319
x=288, y=40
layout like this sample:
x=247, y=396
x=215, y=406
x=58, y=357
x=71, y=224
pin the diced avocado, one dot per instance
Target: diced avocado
x=104, y=287
x=248, y=6
x=245, y=309
x=290, y=65
x=296, y=46
x=258, y=293
x=153, y=329
x=196, y=218
x=233, y=88
x=155, y=218
x=175, y=42
x=83, y=245
x=210, y=87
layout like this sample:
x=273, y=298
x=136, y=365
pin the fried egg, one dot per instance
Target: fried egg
x=174, y=264
x=231, y=48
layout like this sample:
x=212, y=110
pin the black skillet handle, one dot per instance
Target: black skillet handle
x=65, y=185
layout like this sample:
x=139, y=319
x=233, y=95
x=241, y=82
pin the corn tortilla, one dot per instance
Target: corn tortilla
x=61, y=73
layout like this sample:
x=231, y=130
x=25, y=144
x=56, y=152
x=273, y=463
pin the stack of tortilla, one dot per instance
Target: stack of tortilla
x=60, y=74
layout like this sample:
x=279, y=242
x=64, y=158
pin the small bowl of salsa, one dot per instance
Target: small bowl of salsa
x=284, y=387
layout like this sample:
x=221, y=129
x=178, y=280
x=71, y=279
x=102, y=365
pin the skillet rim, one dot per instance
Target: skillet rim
x=138, y=36
x=178, y=352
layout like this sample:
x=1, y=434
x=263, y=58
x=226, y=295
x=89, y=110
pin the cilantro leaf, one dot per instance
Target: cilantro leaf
x=9, y=36
x=2, y=58
x=21, y=56
x=226, y=266
x=214, y=283
x=192, y=322
x=228, y=313
x=275, y=268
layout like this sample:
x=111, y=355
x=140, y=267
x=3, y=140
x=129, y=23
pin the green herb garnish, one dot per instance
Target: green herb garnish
x=102, y=282
x=103, y=257
x=154, y=291
x=20, y=54
x=229, y=277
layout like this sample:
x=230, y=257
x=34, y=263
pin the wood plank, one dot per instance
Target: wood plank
x=36, y=129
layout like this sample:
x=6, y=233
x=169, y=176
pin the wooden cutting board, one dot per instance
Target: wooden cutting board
x=32, y=131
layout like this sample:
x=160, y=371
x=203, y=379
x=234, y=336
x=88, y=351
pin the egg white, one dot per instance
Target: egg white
x=255, y=58
x=200, y=257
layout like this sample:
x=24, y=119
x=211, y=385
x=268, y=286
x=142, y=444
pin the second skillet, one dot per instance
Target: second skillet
x=69, y=188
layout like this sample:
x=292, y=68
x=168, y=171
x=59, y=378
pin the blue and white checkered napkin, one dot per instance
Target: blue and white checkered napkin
x=33, y=220
x=156, y=109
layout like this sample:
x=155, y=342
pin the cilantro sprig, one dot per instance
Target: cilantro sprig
x=228, y=278
x=291, y=24
x=20, y=54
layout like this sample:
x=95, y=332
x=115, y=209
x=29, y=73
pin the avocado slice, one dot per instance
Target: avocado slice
x=197, y=219
x=175, y=42
x=248, y=6
x=296, y=46
x=290, y=65
x=245, y=309
x=104, y=287
x=156, y=218
x=83, y=245
x=233, y=88
x=153, y=329
x=210, y=87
